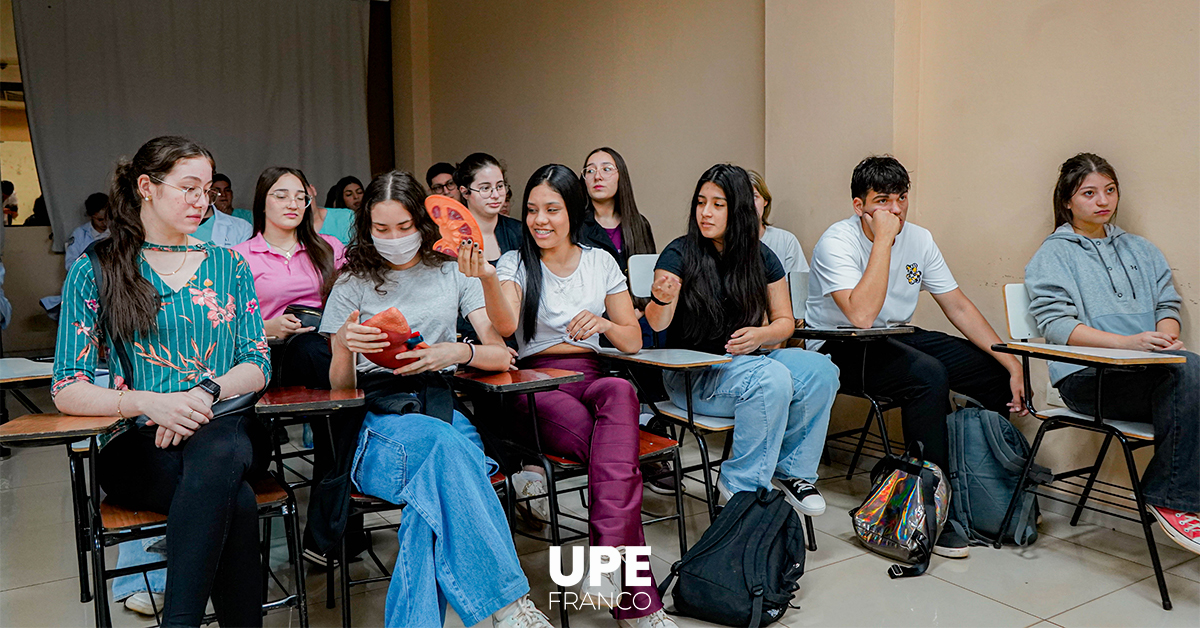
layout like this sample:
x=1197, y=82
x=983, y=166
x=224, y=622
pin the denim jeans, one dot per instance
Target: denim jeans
x=132, y=553
x=1166, y=395
x=455, y=544
x=780, y=403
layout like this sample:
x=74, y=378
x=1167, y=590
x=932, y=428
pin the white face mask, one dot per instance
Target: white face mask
x=398, y=251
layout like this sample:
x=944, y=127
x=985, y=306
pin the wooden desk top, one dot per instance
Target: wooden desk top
x=670, y=359
x=53, y=429
x=301, y=399
x=1086, y=355
x=849, y=333
x=21, y=370
x=523, y=380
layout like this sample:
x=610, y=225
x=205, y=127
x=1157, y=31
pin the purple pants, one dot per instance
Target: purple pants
x=595, y=421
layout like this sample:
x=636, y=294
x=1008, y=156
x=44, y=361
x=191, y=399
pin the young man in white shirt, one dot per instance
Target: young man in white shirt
x=868, y=271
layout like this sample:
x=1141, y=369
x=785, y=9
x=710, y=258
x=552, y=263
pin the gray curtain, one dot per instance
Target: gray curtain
x=259, y=82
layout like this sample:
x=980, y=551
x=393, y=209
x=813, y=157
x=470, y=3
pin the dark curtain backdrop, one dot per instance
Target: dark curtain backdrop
x=260, y=83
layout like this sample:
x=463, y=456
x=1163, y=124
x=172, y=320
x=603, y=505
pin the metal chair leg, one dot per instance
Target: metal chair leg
x=1145, y=517
x=862, y=441
x=79, y=507
x=345, y=569
x=291, y=526
x=1095, y=471
x=678, y=464
x=810, y=533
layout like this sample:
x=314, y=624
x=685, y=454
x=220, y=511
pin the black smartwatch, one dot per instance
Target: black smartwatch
x=210, y=387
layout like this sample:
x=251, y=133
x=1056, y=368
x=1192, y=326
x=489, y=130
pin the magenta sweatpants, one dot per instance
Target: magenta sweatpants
x=595, y=421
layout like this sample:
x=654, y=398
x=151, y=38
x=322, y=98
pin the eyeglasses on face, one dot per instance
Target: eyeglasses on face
x=191, y=195
x=486, y=189
x=442, y=188
x=607, y=169
x=301, y=199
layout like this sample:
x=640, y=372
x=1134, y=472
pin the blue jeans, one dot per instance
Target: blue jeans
x=455, y=545
x=132, y=553
x=780, y=403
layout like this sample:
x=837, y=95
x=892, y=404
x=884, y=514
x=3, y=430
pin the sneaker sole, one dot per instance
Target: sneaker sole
x=138, y=607
x=796, y=504
x=952, y=552
x=662, y=490
x=1187, y=543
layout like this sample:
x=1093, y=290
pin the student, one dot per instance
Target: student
x=782, y=243
x=431, y=461
x=195, y=301
x=224, y=199
x=1091, y=284
x=612, y=208
x=867, y=271
x=558, y=297
x=440, y=179
x=336, y=222
x=8, y=190
x=481, y=182
x=222, y=229
x=96, y=208
x=713, y=289
x=40, y=216
x=291, y=263
x=347, y=192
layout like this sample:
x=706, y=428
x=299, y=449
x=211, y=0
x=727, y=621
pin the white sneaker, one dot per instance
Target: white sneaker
x=520, y=614
x=532, y=484
x=657, y=619
x=607, y=592
x=141, y=604
x=802, y=495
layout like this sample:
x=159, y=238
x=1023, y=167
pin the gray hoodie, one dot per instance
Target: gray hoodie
x=1119, y=284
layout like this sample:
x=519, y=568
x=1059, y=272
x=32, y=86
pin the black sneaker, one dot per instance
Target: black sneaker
x=951, y=544
x=660, y=478
x=802, y=495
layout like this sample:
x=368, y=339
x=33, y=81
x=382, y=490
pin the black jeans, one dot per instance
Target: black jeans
x=212, y=531
x=1169, y=397
x=917, y=371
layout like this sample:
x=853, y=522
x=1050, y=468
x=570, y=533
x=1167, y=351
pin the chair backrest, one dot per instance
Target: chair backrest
x=798, y=286
x=641, y=274
x=1021, y=324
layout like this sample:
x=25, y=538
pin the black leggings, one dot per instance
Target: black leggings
x=212, y=531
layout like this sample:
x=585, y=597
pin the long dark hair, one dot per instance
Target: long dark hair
x=566, y=184
x=317, y=248
x=334, y=197
x=464, y=173
x=362, y=260
x=635, y=229
x=737, y=271
x=130, y=301
x=1071, y=175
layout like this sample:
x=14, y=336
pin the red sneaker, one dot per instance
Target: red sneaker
x=455, y=223
x=1183, y=527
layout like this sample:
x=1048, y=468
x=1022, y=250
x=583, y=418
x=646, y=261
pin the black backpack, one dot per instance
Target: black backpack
x=743, y=572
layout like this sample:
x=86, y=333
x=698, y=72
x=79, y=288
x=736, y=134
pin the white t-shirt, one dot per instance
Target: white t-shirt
x=596, y=277
x=841, y=256
x=787, y=248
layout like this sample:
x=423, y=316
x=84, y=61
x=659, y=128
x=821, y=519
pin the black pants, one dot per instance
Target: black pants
x=917, y=371
x=212, y=531
x=1167, y=396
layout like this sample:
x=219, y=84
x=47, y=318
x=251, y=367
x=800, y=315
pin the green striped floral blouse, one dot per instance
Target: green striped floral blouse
x=205, y=328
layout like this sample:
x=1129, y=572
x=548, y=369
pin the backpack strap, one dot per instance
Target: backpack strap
x=729, y=517
x=118, y=345
x=929, y=529
x=754, y=572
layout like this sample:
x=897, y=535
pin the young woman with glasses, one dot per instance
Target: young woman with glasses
x=291, y=262
x=481, y=182
x=559, y=297
x=186, y=314
x=612, y=208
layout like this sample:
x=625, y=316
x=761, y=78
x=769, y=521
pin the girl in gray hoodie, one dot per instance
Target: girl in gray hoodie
x=1092, y=284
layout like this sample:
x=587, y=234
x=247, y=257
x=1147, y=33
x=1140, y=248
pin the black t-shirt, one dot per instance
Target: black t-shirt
x=671, y=260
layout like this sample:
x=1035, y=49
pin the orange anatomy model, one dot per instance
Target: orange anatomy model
x=401, y=339
x=455, y=223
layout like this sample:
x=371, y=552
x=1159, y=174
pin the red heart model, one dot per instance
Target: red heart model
x=401, y=339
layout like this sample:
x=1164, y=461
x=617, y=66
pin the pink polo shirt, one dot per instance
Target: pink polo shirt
x=281, y=282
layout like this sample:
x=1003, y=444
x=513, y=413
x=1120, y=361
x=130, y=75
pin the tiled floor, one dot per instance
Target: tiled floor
x=1087, y=575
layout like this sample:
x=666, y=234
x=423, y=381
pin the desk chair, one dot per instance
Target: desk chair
x=856, y=440
x=1131, y=435
x=480, y=386
x=16, y=374
x=103, y=524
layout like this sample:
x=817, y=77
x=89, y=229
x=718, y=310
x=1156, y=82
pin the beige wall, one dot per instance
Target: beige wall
x=675, y=88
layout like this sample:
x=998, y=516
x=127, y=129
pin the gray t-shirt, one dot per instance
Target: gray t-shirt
x=431, y=298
